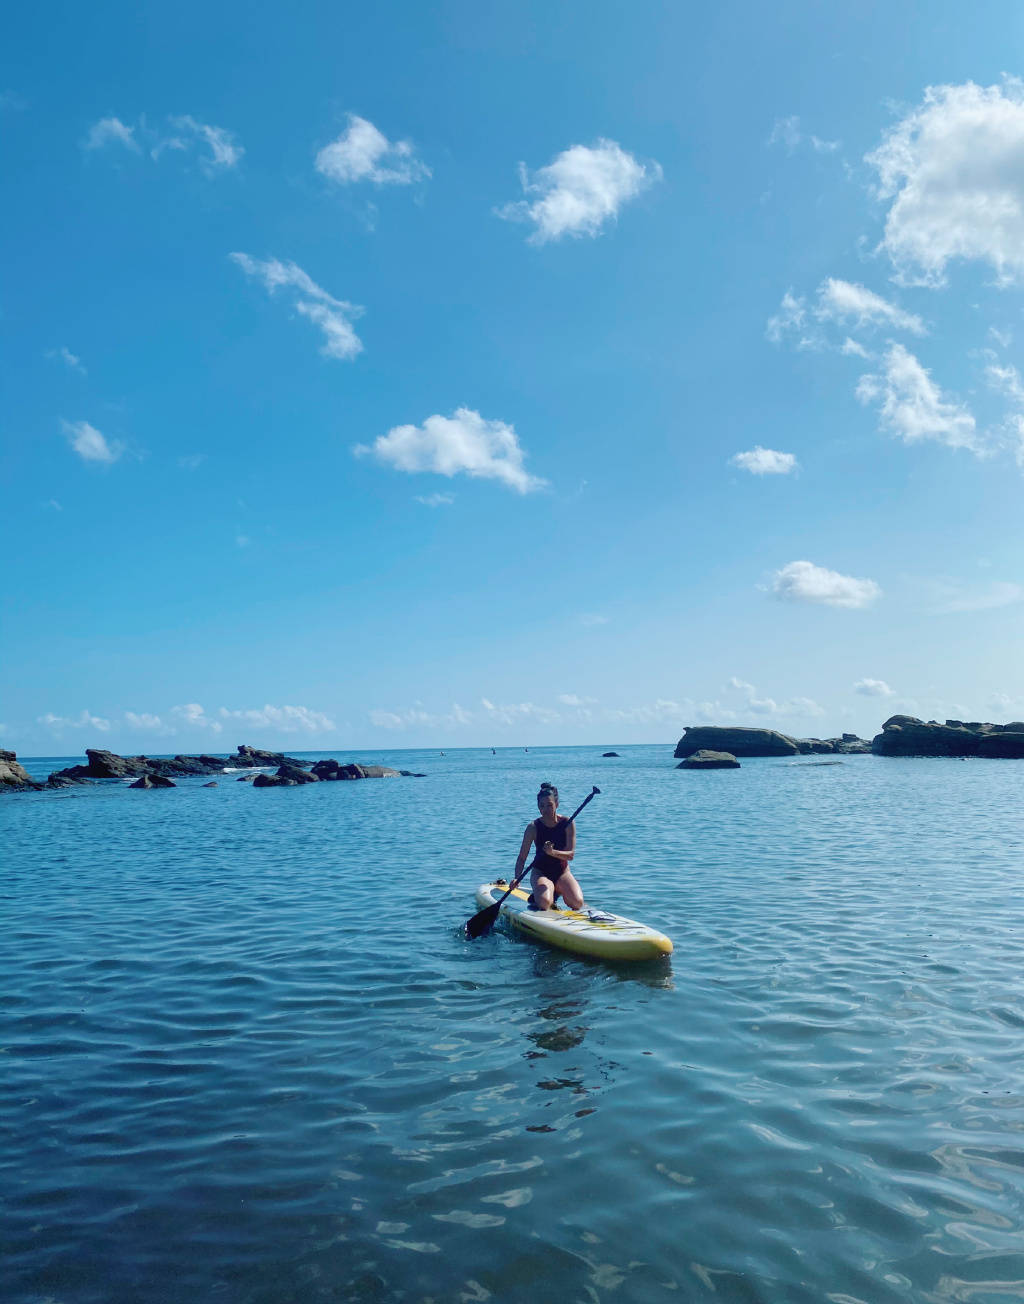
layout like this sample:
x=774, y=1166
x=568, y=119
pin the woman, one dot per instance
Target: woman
x=554, y=838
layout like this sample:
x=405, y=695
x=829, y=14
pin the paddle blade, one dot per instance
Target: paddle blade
x=482, y=920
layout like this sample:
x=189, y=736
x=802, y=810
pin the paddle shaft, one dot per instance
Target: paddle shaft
x=493, y=910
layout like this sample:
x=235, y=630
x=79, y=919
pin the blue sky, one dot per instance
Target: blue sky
x=451, y=374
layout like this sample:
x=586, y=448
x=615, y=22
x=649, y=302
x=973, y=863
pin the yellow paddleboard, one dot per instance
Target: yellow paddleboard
x=587, y=931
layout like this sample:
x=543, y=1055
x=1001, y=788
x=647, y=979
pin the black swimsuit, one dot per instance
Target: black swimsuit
x=550, y=866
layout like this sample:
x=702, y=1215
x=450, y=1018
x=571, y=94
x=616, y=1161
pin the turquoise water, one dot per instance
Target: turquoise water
x=248, y=1055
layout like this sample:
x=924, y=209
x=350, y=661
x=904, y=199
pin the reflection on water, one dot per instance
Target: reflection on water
x=231, y=1072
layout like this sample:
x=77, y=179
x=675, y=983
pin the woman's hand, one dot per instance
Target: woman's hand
x=549, y=847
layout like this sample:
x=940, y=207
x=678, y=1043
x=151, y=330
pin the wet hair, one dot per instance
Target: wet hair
x=548, y=790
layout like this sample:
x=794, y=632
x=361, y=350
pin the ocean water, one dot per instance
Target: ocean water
x=246, y=1053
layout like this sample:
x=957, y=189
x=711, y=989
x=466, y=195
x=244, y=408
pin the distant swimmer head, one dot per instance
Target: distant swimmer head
x=548, y=793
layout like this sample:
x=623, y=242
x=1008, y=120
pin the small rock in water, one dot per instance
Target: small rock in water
x=708, y=760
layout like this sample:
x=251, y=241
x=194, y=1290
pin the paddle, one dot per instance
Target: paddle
x=484, y=919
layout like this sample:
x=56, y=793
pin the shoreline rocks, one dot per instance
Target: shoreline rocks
x=763, y=742
x=906, y=735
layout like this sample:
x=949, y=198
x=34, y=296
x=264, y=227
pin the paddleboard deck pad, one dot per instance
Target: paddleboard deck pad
x=587, y=931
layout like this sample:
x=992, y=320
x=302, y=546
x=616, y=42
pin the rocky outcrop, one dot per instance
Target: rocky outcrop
x=708, y=760
x=153, y=781
x=252, y=758
x=609, y=753
x=739, y=742
x=906, y=735
x=330, y=770
x=14, y=776
x=848, y=745
x=102, y=764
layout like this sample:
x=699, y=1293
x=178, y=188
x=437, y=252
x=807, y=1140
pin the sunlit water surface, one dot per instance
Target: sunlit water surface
x=248, y=1055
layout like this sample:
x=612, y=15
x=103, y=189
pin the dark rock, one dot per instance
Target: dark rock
x=708, y=760
x=905, y=735
x=851, y=745
x=211, y=785
x=296, y=775
x=609, y=753
x=806, y=765
x=253, y=758
x=13, y=775
x=152, y=781
x=411, y=774
x=331, y=770
x=272, y=781
x=1008, y=746
x=738, y=742
x=810, y=746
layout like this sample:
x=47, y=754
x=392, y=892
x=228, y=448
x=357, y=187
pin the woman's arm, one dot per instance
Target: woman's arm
x=570, y=849
x=524, y=851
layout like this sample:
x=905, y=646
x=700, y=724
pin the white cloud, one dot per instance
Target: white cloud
x=362, y=153
x=55, y=505
x=957, y=598
x=954, y=170
x=851, y=348
x=913, y=407
x=580, y=191
x=764, y=461
x=802, y=581
x=839, y=302
x=572, y=699
x=287, y=719
x=786, y=131
x=192, y=714
x=793, y=706
x=89, y=444
x=143, y=720
x=109, y=131
x=224, y=152
x=242, y=540
x=516, y=712
x=873, y=688
x=191, y=461
x=333, y=316
x=1004, y=338
x=1006, y=380
x=791, y=316
x=416, y=717
x=67, y=357
x=843, y=301
x=435, y=500
x=462, y=443
x=83, y=721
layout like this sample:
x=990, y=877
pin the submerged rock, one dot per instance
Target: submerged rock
x=708, y=760
x=153, y=781
x=609, y=753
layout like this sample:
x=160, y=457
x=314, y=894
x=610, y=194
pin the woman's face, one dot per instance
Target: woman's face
x=547, y=804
